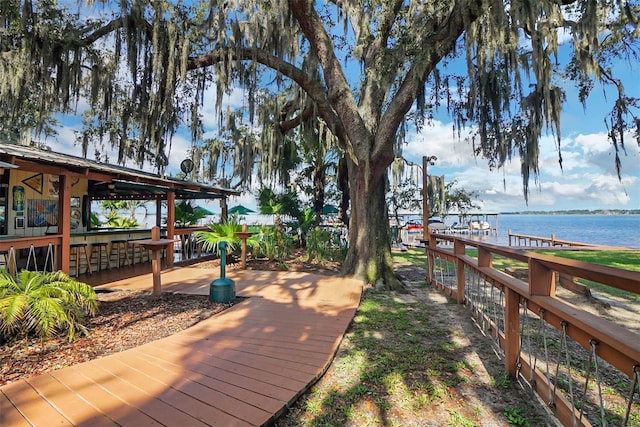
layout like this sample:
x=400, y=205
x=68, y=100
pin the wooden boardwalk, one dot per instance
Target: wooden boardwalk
x=241, y=367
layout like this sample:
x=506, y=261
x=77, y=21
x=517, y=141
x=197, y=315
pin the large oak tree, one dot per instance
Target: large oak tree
x=363, y=68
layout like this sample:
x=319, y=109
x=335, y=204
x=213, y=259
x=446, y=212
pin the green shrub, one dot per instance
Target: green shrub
x=319, y=244
x=269, y=243
x=44, y=304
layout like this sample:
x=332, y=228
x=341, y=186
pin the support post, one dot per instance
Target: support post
x=511, y=331
x=425, y=199
x=459, y=249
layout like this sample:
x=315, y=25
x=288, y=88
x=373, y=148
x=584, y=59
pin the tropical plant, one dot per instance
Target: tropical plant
x=279, y=205
x=319, y=245
x=266, y=242
x=186, y=214
x=222, y=232
x=114, y=219
x=306, y=224
x=44, y=304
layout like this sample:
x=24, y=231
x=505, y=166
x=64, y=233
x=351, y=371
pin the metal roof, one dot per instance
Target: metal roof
x=125, y=183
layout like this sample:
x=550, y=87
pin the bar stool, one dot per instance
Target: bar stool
x=32, y=257
x=49, y=259
x=77, y=248
x=102, y=255
x=119, y=249
x=135, y=249
x=8, y=260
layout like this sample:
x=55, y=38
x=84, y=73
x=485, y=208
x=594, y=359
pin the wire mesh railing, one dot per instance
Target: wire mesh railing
x=585, y=367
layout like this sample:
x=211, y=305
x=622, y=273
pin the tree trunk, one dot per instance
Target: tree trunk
x=343, y=186
x=369, y=254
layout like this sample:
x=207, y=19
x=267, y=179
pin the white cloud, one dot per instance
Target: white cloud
x=439, y=139
x=587, y=179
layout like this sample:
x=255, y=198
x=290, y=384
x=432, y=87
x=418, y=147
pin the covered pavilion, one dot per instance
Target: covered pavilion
x=45, y=203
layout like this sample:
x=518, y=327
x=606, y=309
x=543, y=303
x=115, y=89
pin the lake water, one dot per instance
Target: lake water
x=614, y=230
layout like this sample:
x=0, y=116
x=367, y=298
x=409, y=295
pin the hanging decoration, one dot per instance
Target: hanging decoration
x=35, y=182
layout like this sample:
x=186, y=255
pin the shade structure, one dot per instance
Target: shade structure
x=329, y=209
x=240, y=210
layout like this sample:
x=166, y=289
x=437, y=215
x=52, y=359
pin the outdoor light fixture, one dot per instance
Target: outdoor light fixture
x=431, y=159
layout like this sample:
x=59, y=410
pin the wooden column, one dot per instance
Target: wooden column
x=64, y=222
x=159, y=212
x=542, y=281
x=223, y=209
x=511, y=331
x=459, y=249
x=171, y=220
x=425, y=199
x=484, y=257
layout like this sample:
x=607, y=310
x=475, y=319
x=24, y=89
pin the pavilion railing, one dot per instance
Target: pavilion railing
x=39, y=252
x=185, y=246
x=586, y=368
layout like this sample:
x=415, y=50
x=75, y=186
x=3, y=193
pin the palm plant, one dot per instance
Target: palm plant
x=222, y=232
x=44, y=303
x=186, y=214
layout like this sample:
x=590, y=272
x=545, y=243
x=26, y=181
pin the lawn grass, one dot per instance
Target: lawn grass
x=622, y=259
x=415, y=256
x=625, y=260
x=406, y=362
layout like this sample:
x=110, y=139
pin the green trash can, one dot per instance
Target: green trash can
x=222, y=289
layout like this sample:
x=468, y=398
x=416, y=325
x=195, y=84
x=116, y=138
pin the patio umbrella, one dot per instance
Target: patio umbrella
x=329, y=209
x=240, y=210
x=203, y=211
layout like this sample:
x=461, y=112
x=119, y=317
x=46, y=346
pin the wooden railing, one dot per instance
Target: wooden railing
x=526, y=319
x=185, y=246
x=516, y=239
x=41, y=252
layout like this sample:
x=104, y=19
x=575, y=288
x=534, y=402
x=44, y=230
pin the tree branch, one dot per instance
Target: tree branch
x=115, y=25
x=286, y=125
x=340, y=96
x=315, y=90
x=441, y=41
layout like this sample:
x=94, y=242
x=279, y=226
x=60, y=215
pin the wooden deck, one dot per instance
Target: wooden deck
x=239, y=368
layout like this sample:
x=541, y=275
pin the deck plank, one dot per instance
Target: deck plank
x=78, y=411
x=9, y=414
x=34, y=408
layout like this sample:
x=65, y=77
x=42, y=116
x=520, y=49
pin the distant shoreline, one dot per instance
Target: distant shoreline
x=578, y=212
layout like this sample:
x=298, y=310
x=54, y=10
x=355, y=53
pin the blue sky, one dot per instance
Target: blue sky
x=588, y=179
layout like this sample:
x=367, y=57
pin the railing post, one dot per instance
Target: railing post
x=432, y=243
x=511, y=331
x=459, y=248
x=542, y=281
x=484, y=257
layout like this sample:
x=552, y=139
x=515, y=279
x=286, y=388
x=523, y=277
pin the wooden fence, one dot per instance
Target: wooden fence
x=566, y=354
